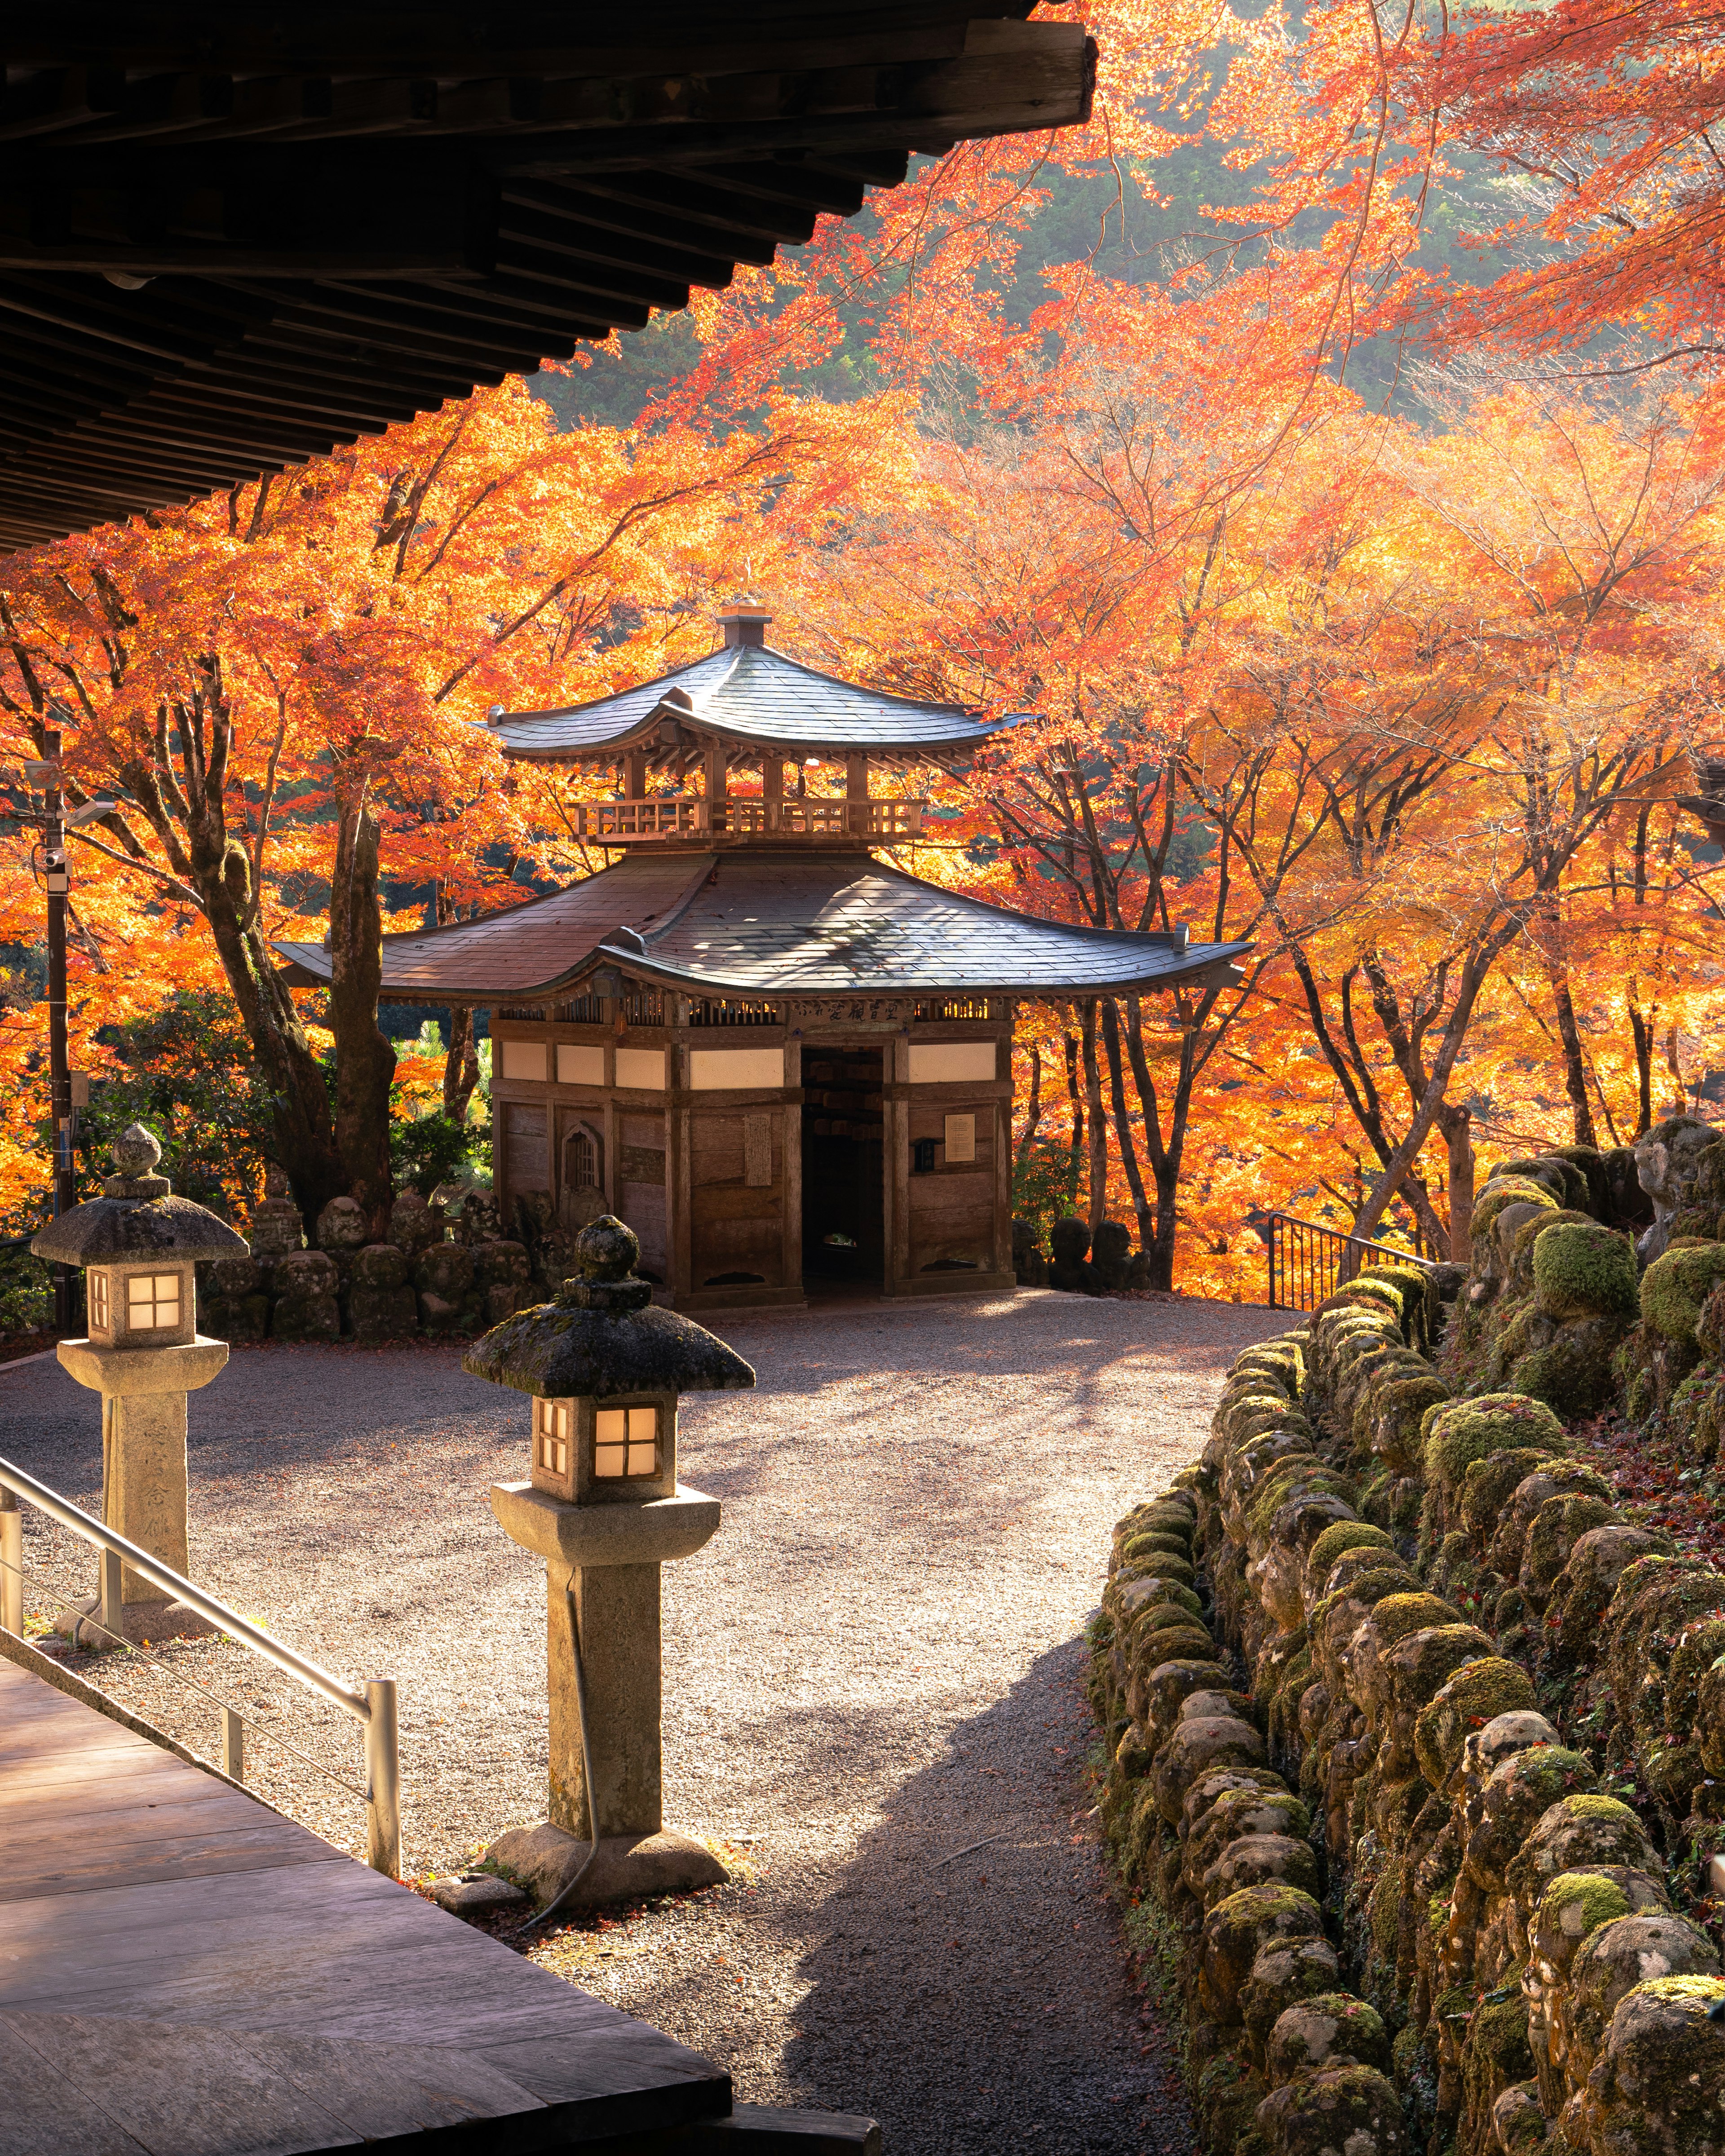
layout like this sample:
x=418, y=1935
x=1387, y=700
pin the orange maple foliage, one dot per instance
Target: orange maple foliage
x=1404, y=708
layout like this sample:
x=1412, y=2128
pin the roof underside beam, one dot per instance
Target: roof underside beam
x=229, y=242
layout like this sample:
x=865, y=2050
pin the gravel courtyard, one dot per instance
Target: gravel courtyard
x=875, y=1665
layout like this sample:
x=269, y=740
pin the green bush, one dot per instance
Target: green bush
x=186, y=1072
x=427, y=1150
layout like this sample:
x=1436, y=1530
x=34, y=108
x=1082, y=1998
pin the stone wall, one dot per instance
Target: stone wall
x=1415, y=1735
x=446, y=1268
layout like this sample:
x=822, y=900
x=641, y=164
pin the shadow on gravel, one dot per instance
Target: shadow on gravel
x=978, y=2000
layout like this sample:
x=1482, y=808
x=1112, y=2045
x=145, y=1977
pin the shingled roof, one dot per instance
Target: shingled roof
x=758, y=924
x=750, y=694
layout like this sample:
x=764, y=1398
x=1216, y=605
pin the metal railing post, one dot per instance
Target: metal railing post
x=233, y=1745
x=12, y=1564
x=382, y=1778
x=109, y=1608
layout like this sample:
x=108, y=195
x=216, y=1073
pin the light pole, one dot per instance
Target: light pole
x=56, y=877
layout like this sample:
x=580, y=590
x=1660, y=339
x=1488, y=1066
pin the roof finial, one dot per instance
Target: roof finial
x=744, y=622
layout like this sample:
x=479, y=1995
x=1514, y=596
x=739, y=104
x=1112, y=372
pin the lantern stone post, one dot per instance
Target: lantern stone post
x=604, y=1508
x=139, y=1246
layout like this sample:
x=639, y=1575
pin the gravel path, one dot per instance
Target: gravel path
x=876, y=1663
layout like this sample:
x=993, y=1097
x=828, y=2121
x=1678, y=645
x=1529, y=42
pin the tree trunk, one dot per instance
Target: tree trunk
x=1033, y=1114
x=461, y=1071
x=187, y=812
x=1456, y=1124
x=364, y=1061
x=1075, y=1151
x=1097, y=1121
x=1575, y=1068
x=1641, y=1026
x=1479, y=963
x=1141, y=1208
x=1167, y=1154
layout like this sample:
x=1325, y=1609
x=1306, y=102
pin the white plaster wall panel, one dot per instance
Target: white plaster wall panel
x=642, y=1068
x=951, y=1062
x=579, y=1064
x=525, y=1058
x=713, y=1070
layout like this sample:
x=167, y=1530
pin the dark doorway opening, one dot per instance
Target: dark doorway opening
x=844, y=1190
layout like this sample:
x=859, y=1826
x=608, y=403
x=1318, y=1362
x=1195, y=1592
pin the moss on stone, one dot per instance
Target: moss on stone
x=1344, y=1535
x=1474, y=1695
x=1578, y=1903
x=1674, y=1286
x=1399, y=1615
x=1139, y=1546
x=1369, y=1588
x=1189, y=1643
x=1502, y=1192
x=1470, y=1429
x=1278, y=1487
x=1581, y=1269
x=1159, y=1564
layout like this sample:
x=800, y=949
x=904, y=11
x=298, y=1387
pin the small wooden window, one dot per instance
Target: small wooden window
x=552, y=1436
x=152, y=1302
x=581, y=1161
x=96, y=1288
x=625, y=1443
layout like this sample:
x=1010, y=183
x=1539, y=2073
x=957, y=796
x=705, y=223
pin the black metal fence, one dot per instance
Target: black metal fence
x=1307, y=1260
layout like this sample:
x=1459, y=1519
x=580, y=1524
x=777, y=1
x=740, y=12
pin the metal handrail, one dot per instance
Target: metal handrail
x=373, y=1707
x=1312, y=1257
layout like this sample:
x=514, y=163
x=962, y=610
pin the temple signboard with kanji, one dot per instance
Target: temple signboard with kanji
x=785, y=1061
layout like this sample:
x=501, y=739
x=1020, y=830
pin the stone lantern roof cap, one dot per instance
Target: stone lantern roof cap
x=603, y=1337
x=137, y=1217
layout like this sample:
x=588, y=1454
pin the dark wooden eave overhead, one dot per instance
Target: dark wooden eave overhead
x=232, y=238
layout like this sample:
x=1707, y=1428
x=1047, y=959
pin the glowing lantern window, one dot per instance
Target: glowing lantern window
x=551, y=1436
x=625, y=1443
x=152, y=1302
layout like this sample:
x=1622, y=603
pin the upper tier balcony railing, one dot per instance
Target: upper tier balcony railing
x=745, y=816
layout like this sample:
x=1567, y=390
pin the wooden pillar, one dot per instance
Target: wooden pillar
x=857, y=794
x=791, y=1181
x=1003, y=1178
x=772, y=790
x=895, y=1066
x=716, y=789
x=634, y=775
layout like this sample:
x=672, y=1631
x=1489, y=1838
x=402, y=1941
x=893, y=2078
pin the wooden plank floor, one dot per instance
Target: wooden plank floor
x=184, y=1971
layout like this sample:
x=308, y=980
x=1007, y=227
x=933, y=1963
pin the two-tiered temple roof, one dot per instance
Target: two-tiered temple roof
x=761, y=896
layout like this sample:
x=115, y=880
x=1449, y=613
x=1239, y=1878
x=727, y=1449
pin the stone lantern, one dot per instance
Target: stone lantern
x=604, y=1508
x=139, y=1246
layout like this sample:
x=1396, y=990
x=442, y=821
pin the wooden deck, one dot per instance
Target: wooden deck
x=186, y=1973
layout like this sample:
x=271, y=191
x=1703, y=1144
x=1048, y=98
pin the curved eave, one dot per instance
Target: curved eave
x=308, y=967
x=931, y=748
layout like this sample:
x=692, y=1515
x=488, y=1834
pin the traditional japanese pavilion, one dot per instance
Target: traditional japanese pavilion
x=782, y=1060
